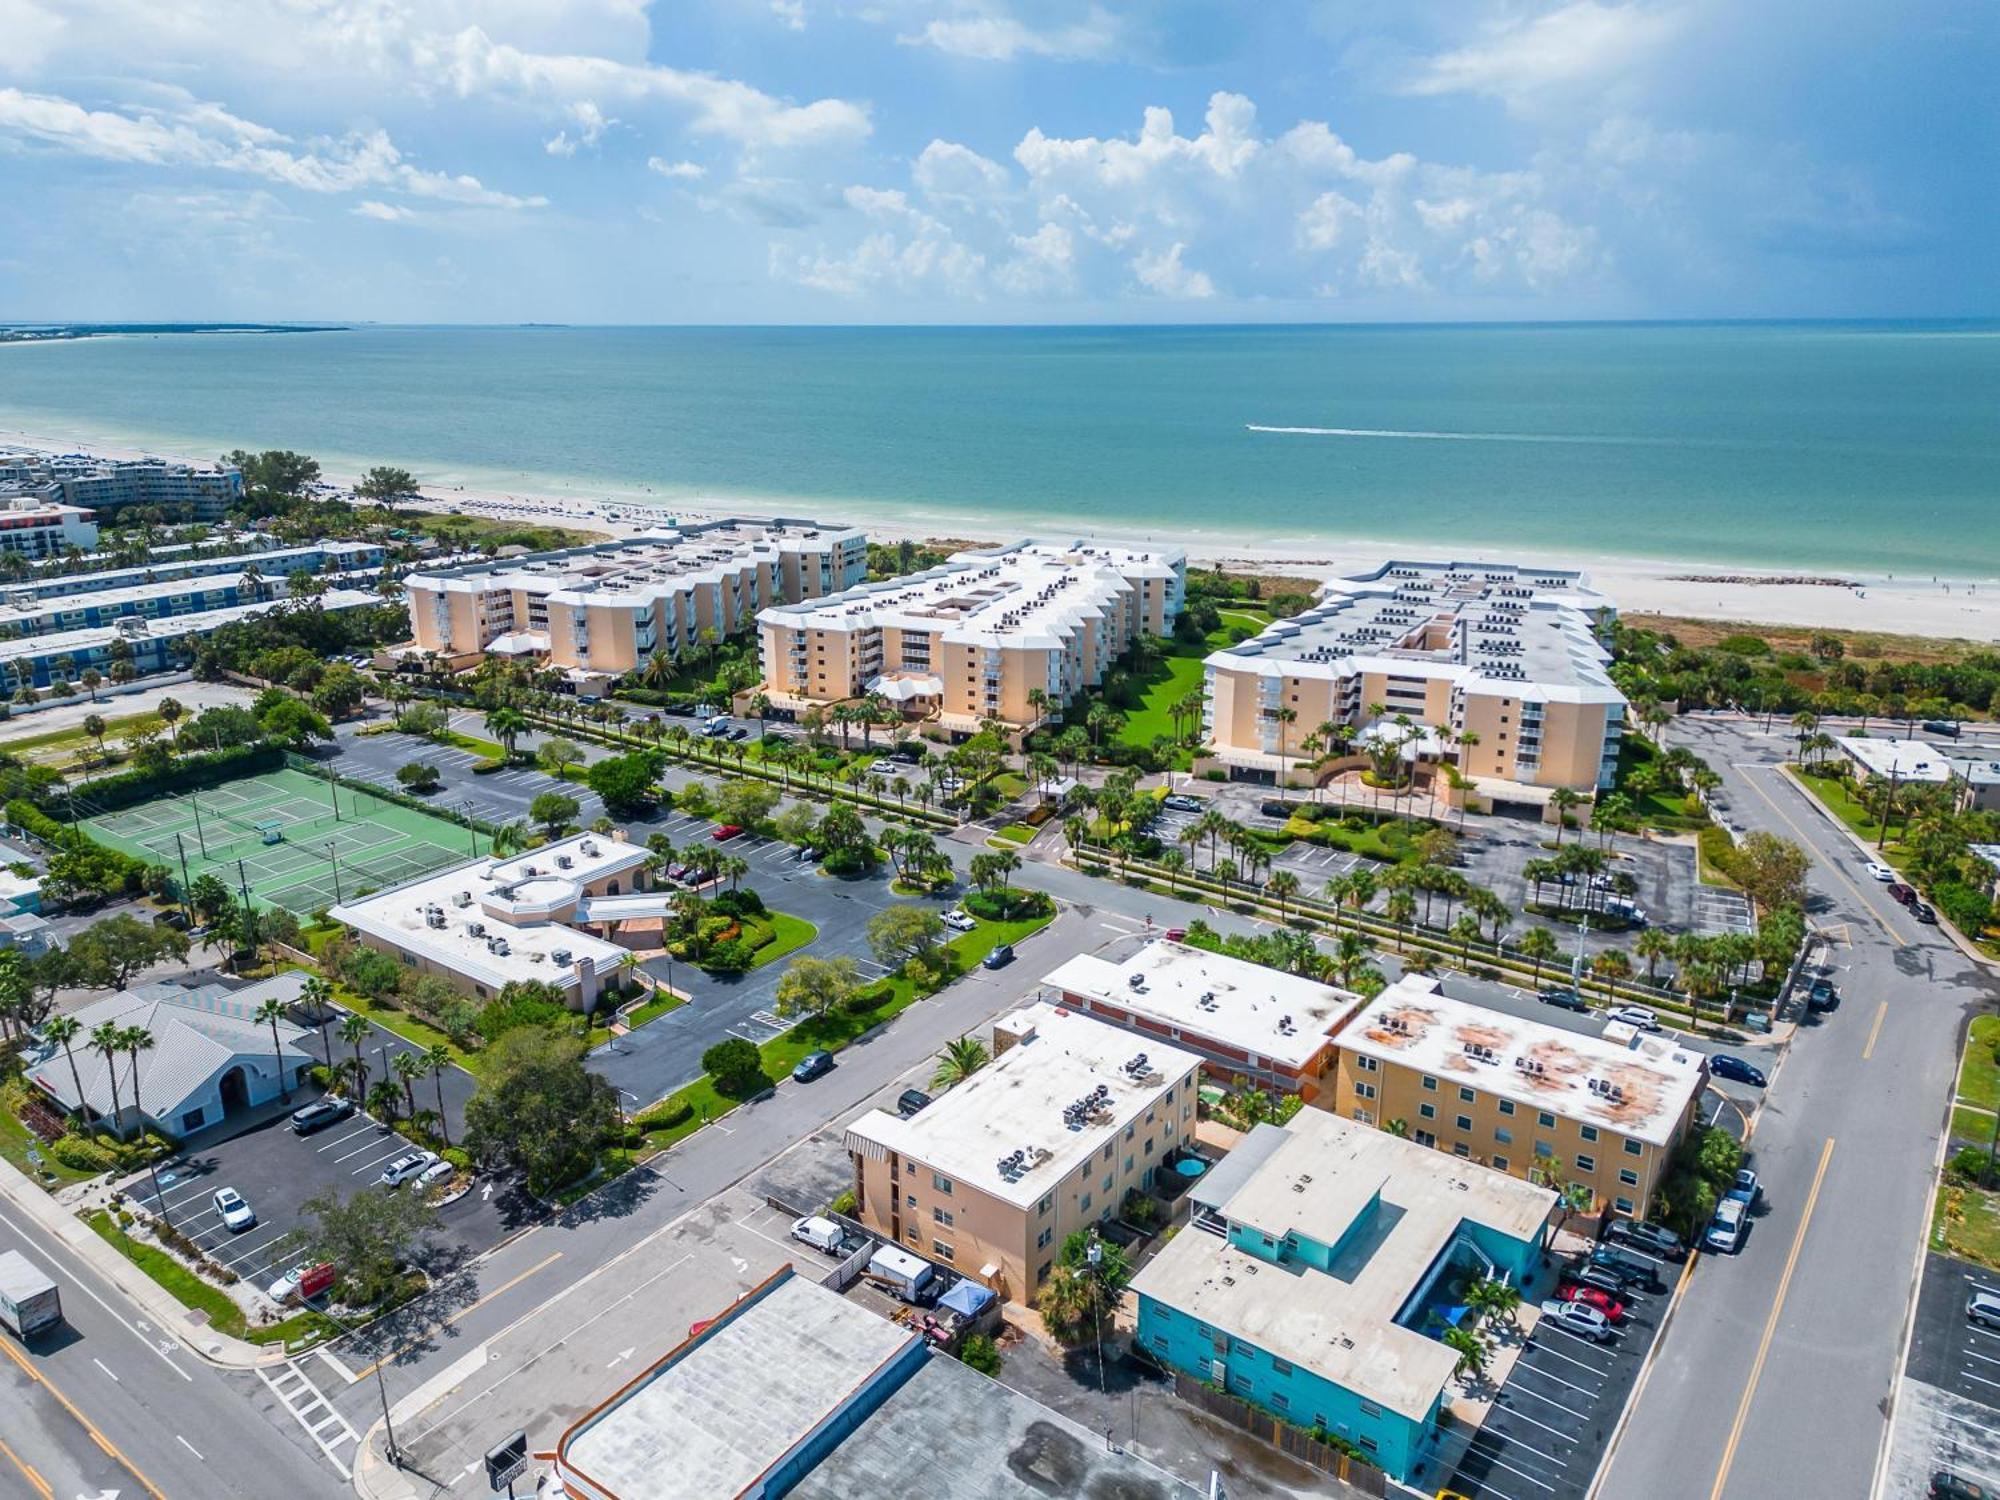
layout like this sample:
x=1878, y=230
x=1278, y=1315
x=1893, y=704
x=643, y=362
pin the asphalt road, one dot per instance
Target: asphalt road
x=1777, y=1372
x=113, y=1404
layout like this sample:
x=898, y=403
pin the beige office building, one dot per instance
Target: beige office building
x=599, y=611
x=1534, y=1100
x=1510, y=654
x=973, y=638
x=1046, y=1139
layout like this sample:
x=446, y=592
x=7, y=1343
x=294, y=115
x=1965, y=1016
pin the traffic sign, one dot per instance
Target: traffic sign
x=507, y=1462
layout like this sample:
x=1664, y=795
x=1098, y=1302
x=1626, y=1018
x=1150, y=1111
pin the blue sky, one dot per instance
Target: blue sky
x=996, y=160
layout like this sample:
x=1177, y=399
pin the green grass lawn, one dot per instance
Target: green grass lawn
x=1973, y=1125
x=16, y=1138
x=55, y=746
x=405, y=1025
x=1389, y=841
x=1838, y=798
x=1179, y=674
x=224, y=1316
x=1015, y=833
x=1978, y=1073
x=789, y=934
x=1967, y=1224
x=653, y=1009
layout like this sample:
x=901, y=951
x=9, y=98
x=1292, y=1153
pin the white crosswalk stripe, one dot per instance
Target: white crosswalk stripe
x=328, y=1429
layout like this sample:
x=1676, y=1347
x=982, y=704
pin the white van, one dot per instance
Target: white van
x=821, y=1234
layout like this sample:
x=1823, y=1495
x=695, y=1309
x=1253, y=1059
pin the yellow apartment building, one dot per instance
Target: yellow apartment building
x=1512, y=655
x=988, y=634
x=1534, y=1100
x=597, y=612
x=1047, y=1139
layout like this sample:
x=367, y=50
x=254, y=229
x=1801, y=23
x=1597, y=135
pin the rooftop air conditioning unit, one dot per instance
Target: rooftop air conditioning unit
x=500, y=946
x=530, y=870
x=560, y=956
x=589, y=846
x=563, y=861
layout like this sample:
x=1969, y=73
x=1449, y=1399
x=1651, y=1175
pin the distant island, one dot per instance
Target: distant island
x=42, y=333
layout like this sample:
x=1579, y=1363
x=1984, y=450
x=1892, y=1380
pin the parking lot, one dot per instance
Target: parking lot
x=1948, y=1408
x=501, y=797
x=1549, y=1427
x=277, y=1170
x=1718, y=911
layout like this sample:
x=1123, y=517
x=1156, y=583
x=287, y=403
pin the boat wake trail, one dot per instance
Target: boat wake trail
x=1458, y=437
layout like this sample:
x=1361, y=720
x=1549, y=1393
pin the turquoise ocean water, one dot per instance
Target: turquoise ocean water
x=1869, y=448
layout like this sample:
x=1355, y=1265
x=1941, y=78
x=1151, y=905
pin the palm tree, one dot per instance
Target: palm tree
x=1653, y=945
x=109, y=1040
x=1539, y=944
x=382, y=1099
x=63, y=1031
x=1493, y=1298
x=271, y=1012
x=1468, y=931
x=1562, y=799
x=1399, y=1128
x=427, y=1122
x=318, y=993
x=961, y=1058
x=1611, y=966
x=409, y=1067
x=507, y=724
x=354, y=1031
x=133, y=1040
x=1286, y=717
x=1400, y=908
x=1471, y=1351
x=438, y=1059
x=1283, y=884
x=1350, y=952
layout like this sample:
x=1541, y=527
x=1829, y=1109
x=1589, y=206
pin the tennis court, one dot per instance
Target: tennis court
x=302, y=842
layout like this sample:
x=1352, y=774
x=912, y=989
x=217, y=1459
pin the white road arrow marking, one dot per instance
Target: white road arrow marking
x=486, y=1192
x=622, y=1356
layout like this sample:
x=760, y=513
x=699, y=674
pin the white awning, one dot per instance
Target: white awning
x=903, y=686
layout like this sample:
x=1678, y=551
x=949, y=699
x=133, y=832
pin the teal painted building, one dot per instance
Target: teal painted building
x=1323, y=1264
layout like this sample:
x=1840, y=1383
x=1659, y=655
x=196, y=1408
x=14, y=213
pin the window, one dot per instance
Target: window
x=1048, y=1202
x=1499, y=1163
x=1430, y=1085
x=912, y=1236
x=1083, y=1206
x=1459, y=1148
x=1042, y=1239
x=909, y=1200
x=1465, y=1095
x=1367, y=1444
x=1428, y=1111
x=1108, y=1144
x=1589, y=1132
x=1279, y=1366
x=1365, y=1116
x=1632, y=1148
x=1464, y=1122
x=942, y=1184
x=1370, y=1409
x=1546, y=1120
x=1237, y=1346
x=1363, y=1090
x=1042, y=1272
x=1506, y=1106
x=1128, y=1163
x=1368, y=1064
x=1623, y=1205
x=942, y=1216
x=1586, y=1163
x=1503, y=1135
x=1425, y=1138
x=1280, y=1402
x=941, y=1250
x=1110, y=1180
x=1146, y=1150
x=1160, y=1342
x=1628, y=1177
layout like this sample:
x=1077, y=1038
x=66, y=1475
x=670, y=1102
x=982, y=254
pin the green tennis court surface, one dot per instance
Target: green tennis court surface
x=303, y=842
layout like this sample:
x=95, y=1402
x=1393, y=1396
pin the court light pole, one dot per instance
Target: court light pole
x=335, y=858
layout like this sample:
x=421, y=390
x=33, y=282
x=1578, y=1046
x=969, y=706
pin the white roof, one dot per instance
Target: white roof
x=177, y=575
x=510, y=898
x=1906, y=760
x=169, y=627
x=1282, y=1017
x=1489, y=627
x=1027, y=594
x=1627, y=1081
x=1018, y=1102
x=1341, y=1323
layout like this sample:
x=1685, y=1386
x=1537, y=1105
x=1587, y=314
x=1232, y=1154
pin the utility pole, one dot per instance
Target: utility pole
x=200, y=837
x=332, y=854
x=187, y=907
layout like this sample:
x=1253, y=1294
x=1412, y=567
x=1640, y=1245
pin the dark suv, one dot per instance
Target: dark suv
x=1650, y=1238
x=1821, y=996
x=1633, y=1270
x=1565, y=999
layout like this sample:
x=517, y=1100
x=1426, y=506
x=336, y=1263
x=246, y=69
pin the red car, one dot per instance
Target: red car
x=1907, y=895
x=1176, y=934
x=1591, y=1296
x=727, y=831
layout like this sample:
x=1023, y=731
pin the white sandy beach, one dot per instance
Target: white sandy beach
x=1957, y=608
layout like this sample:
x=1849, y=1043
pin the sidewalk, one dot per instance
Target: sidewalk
x=158, y=1304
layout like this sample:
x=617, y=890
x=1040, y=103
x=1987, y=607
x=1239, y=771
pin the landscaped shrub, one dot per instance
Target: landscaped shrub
x=515, y=1007
x=488, y=767
x=731, y=956
x=1011, y=905
x=743, y=902
x=737, y=1067
x=665, y=1115
x=81, y=1155
x=1969, y=910
x=849, y=862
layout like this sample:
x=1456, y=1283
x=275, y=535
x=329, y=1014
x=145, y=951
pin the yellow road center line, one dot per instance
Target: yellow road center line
x=41, y=1485
x=1837, y=873
x=1771, y=1325
x=110, y=1448
x=1875, y=1031
x=465, y=1311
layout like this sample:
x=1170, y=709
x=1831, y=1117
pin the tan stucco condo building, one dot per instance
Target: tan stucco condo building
x=602, y=610
x=1045, y=1140
x=1522, y=1097
x=1508, y=653
x=972, y=638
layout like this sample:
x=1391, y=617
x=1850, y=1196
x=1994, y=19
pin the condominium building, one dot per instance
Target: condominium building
x=47, y=605
x=1508, y=654
x=1010, y=634
x=1521, y=1096
x=36, y=525
x=603, y=610
x=1322, y=1262
x=148, y=644
x=546, y=915
x=166, y=565
x=1047, y=1139
x=106, y=483
x=1251, y=1024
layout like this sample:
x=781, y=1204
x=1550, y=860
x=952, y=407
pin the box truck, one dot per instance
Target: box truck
x=29, y=1301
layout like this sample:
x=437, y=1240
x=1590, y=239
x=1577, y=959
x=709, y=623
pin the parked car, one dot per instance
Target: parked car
x=1722, y=1065
x=959, y=920
x=403, y=1168
x=812, y=1065
x=286, y=1288
x=821, y=1234
x=1592, y=1296
x=1747, y=1188
x=1632, y=1270
x=1564, y=999
x=1596, y=1276
x=1651, y=1238
x=1946, y=1485
x=1983, y=1308
x=1821, y=996
x=910, y=1101
x=1635, y=1016
x=1879, y=871
x=910, y=751
x=727, y=832
x=1903, y=893
x=237, y=1214
x=1725, y=1230
x=438, y=1171
x=1176, y=934
x=1181, y=802
x=321, y=1113
x=999, y=958
x=1578, y=1318
x=1924, y=913
x=1941, y=726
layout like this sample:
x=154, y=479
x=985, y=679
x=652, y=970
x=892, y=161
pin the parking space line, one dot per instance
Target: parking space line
x=1982, y=1358
x=389, y=1154
x=1968, y=1375
x=371, y=1146
x=1523, y=1365
x=1567, y=1359
x=1553, y=1431
x=1493, y=1459
x=363, y=1128
x=1548, y=1400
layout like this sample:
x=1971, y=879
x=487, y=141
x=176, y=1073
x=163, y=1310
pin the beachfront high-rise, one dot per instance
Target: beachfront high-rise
x=1511, y=655
x=599, y=611
x=1010, y=633
x=94, y=483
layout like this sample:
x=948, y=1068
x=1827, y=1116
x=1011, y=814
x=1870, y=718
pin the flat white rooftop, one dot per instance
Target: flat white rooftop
x=1340, y=1323
x=1489, y=626
x=1021, y=1102
x=172, y=575
x=1026, y=594
x=1638, y=1087
x=141, y=627
x=1283, y=1018
x=509, y=898
x=1906, y=760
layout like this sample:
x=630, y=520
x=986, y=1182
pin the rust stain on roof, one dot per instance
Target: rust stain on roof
x=1400, y=1025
